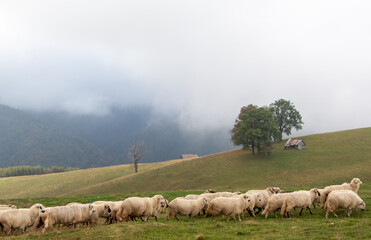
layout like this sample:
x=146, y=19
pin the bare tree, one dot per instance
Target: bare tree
x=136, y=153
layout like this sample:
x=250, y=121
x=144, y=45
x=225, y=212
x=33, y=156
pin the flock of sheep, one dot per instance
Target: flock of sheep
x=210, y=203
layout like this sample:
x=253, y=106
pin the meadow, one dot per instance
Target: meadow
x=331, y=158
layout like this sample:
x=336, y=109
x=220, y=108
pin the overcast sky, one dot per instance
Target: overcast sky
x=199, y=61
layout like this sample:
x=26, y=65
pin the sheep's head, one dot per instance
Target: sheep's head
x=362, y=206
x=39, y=207
x=271, y=190
x=204, y=200
x=356, y=181
x=91, y=208
x=317, y=194
x=107, y=208
x=276, y=189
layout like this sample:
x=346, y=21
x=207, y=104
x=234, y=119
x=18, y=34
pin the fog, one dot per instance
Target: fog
x=196, y=61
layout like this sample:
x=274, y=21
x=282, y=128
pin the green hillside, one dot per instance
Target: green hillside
x=25, y=140
x=330, y=158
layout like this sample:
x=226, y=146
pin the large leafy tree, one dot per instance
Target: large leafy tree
x=286, y=116
x=255, y=128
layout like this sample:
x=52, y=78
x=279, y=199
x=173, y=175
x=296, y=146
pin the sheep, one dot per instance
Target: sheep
x=302, y=199
x=343, y=199
x=353, y=185
x=101, y=210
x=185, y=207
x=251, y=199
x=68, y=215
x=114, y=206
x=20, y=218
x=7, y=207
x=273, y=204
x=228, y=207
x=139, y=207
x=263, y=195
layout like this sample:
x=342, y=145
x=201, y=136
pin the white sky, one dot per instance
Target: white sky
x=200, y=61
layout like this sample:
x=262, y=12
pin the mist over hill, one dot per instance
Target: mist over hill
x=116, y=132
x=84, y=141
x=25, y=140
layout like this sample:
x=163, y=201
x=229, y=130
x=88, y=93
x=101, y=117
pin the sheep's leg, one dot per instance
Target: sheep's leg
x=156, y=218
x=259, y=210
x=194, y=219
x=234, y=217
x=213, y=218
x=176, y=217
x=326, y=216
x=333, y=212
x=239, y=219
x=300, y=212
x=228, y=218
x=222, y=217
x=310, y=211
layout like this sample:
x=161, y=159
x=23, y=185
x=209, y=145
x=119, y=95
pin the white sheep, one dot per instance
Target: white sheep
x=20, y=218
x=354, y=186
x=263, y=196
x=343, y=199
x=101, y=210
x=228, y=207
x=67, y=215
x=140, y=207
x=300, y=199
x=185, y=207
x=273, y=204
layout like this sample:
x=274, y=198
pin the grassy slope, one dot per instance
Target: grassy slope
x=328, y=159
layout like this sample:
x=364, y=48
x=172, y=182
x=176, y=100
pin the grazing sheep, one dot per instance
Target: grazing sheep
x=20, y=218
x=263, y=196
x=273, y=204
x=343, y=199
x=185, y=207
x=353, y=186
x=228, y=207
x=140, y=207
x=300, y=199
x=67, y=215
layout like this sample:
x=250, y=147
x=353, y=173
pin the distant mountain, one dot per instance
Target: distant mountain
x=116, y=132
x=26, y=140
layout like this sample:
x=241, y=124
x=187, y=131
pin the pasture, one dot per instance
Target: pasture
x=331, y=158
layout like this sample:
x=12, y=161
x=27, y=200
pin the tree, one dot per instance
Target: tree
x=255, y=128
x=136, y=153
x=286, y=116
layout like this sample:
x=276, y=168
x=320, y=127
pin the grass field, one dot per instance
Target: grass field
x=331, y=158
x=358, y=226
